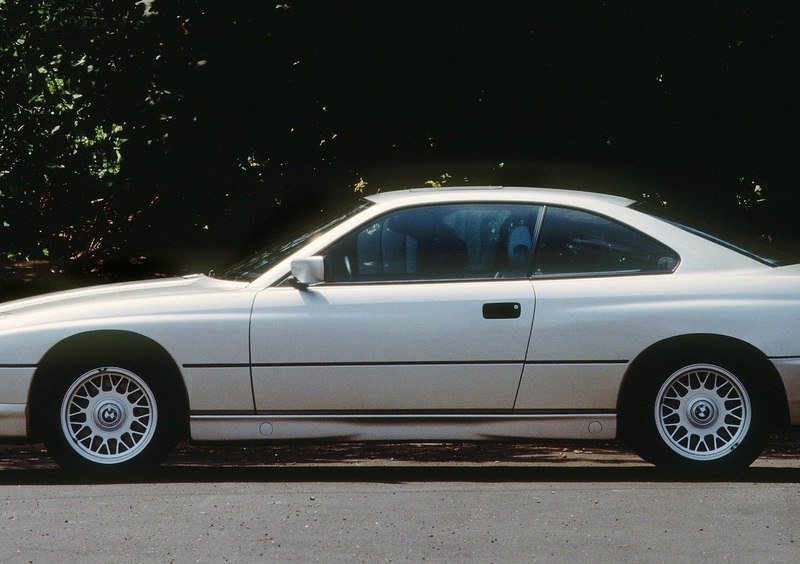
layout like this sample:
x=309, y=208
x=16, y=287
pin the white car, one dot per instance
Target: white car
x=425, y=315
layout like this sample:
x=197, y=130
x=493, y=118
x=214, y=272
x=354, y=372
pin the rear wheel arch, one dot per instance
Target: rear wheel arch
x=644, y=412
x=699, y=344
x=104, y=347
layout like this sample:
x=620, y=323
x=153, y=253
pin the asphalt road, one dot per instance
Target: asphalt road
x=405, y=503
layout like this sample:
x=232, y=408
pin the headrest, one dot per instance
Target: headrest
x=519, y=236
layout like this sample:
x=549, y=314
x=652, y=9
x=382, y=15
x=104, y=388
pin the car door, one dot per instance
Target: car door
x=424, y=309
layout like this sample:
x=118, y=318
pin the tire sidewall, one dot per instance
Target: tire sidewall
x=639, y=414
x=59, y=446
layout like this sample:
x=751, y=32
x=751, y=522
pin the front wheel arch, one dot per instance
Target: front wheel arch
x=107, y=348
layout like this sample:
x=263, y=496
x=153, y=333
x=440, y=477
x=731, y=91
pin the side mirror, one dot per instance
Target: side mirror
x=308, y=271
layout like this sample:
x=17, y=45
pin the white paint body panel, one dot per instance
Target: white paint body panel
x=389, y=346
x=197, y=320
x=404, y=427
x=569, y=386
x=615, y=318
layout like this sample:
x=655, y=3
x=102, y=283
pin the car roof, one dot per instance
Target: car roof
x=464, y=193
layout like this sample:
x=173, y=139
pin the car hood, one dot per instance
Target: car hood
x=120, y=292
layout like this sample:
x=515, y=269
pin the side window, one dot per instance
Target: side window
x=437, y=242
x=573, y=242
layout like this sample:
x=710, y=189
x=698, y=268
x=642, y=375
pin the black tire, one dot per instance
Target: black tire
x=106, y=419
x=697, y=413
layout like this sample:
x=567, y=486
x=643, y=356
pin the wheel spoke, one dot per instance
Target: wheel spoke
x=109, y=415
x=702, y=412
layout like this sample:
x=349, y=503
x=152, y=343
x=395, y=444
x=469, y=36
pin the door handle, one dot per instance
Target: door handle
x=503, y=310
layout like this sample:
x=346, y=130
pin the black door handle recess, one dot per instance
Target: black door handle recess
x=507, y=310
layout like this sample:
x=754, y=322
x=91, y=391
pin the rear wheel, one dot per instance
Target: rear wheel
x=697, y=416
x=107, y=419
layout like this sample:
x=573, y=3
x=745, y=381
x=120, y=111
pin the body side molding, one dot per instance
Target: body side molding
x=404, y=427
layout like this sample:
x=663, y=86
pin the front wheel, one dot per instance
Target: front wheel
x=702, y=417
x=107, y=419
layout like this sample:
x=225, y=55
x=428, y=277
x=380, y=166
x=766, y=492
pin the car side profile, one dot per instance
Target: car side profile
x=469, y=314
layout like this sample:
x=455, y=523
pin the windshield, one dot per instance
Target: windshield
x=256, y=265
x=744, y=245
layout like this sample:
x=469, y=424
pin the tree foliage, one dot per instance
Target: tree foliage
x=125, y=125
x=60, y=142
x=130, y=126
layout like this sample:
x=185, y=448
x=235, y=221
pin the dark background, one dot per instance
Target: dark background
x=238, y=120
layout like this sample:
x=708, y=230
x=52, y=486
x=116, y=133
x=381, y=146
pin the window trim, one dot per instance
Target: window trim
x=536, y=235
x=599, y=274
x=527, y=276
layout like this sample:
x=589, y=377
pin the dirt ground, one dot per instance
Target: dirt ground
x=783, y=449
